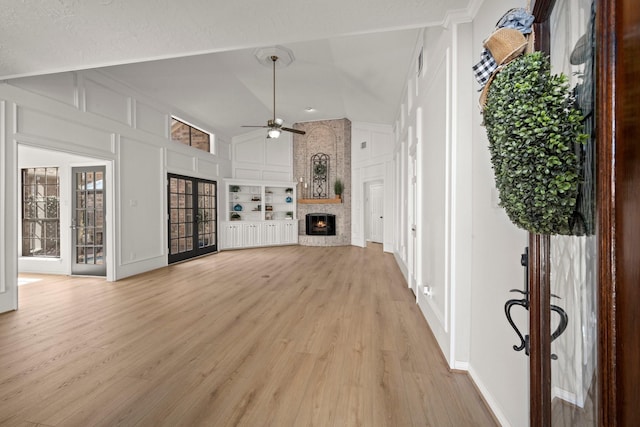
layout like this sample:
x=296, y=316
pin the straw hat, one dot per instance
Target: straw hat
x=505, y=44
x=485, y=91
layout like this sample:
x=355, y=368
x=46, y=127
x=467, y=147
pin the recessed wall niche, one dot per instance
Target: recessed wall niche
x=333, y=138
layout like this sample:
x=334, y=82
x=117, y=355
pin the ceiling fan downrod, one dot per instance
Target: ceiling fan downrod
x=274, y=58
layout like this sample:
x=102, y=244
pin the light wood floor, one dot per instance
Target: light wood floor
x=286, y=336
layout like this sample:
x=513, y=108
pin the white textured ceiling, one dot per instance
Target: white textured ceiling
x=351, y=56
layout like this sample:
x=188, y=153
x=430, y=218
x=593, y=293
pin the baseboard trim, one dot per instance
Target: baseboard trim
x=489, y=400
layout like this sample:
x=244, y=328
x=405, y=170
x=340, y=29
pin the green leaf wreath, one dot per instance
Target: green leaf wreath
x=533, y=131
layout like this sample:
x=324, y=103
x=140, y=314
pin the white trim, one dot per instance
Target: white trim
x=461, y=16
x=489, y=399
x=460, y=366
x=3, y=196
x=448, y=204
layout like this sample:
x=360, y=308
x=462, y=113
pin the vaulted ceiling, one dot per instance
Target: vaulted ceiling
x=351, y=56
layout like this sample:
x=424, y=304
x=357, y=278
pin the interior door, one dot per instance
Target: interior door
x=413, y=215
x=88, y=221
x=376, y=213
x=193, y=217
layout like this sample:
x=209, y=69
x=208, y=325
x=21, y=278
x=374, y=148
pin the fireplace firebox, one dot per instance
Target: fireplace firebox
x=321, y=224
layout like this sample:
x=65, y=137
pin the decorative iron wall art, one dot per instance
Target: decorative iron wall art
x=320, y=176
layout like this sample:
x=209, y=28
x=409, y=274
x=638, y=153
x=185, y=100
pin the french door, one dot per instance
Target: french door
x=193, y=217
x=88, y=221
x=607, y=259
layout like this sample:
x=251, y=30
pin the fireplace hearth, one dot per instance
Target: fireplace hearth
x=320, y=224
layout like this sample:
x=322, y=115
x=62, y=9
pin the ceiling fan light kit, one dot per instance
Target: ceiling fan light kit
x=274, y=125
x=273, y=133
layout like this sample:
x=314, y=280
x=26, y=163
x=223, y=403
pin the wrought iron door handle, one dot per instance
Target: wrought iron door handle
x=524, y=340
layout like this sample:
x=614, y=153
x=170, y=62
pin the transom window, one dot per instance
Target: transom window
x=189, y=135
x=41, y=212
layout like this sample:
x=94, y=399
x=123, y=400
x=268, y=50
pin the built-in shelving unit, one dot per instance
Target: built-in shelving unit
x=259, y=214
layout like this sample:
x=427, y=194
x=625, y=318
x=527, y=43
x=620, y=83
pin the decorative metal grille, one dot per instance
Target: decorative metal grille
x=320, y=176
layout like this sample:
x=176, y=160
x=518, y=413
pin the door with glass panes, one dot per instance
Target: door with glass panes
x=88, y=221
x=192, y=217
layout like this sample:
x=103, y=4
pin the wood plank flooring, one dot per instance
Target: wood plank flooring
x=284, y=336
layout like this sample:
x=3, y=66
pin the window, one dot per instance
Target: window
x=189, y=135
x=40, y=212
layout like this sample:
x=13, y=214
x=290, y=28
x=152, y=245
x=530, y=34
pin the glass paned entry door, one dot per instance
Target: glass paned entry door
x=192, y=217
x=88, y=222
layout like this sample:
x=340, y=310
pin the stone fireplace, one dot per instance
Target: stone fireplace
x=330, y=138
x=320, y=224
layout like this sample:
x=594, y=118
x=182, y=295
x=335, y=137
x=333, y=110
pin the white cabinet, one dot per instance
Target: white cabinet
x=289, y=232
x=231, y=235
x=271, y=233
x=251, y=234
x=258, y=214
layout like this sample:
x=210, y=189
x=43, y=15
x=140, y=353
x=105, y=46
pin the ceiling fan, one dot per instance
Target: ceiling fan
x=275, y=125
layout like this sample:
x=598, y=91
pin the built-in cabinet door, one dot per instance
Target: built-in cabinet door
x=288, y=232
x=271, y=233
x=232, y=235
x=251, y=234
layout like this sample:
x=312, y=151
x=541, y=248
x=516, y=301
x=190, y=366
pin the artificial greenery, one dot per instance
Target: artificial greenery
x=320, y=170
x=338, y=187
x=533, y=131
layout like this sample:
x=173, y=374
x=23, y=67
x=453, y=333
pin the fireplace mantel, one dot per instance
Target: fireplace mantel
x=335, y=201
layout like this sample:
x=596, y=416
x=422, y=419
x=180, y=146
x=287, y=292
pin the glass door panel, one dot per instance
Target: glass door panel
x=192, y=217
x=573, y=259
x=206, y=218
x=88, y=221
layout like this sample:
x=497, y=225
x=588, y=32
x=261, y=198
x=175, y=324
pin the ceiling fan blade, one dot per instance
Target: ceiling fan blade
x=256, y=126
x=299, y=132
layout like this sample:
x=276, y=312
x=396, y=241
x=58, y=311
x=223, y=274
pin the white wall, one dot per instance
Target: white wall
x=371, y=161
x=501, y=372
x=260, y=159
x=90, y=115
x=468, y=252
x=434, y=125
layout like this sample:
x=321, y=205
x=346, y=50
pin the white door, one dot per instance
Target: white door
x=376, y=213
x=412, y=211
